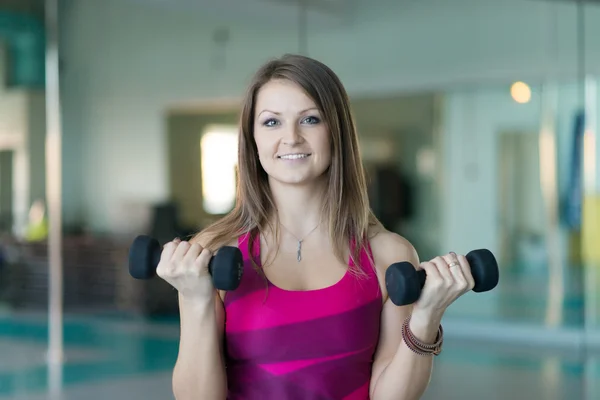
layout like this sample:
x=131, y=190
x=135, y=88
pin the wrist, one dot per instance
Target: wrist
x=426, y=314
x=196, y=304
x=425, y=324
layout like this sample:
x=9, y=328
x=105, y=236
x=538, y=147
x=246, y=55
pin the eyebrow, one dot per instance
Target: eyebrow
x=277, y=113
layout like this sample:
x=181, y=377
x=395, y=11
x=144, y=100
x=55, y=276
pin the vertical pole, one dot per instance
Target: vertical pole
x=53, y=195
x=549, y=186
x=590, y=207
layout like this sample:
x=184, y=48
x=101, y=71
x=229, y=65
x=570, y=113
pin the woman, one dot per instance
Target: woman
x=311, y=318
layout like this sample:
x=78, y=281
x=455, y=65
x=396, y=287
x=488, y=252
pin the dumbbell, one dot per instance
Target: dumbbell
x=225, y=267
x=404, y=283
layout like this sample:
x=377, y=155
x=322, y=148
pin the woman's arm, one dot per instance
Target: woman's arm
x=199, y=372
x=398, y=373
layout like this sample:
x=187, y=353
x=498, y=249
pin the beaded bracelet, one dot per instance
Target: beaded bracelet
x=418, y=346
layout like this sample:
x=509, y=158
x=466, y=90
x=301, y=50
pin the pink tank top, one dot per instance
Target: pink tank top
x=301, y=345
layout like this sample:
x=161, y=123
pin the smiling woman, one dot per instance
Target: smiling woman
x=311, y=318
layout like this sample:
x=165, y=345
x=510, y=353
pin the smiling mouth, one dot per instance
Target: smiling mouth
x=293, y=156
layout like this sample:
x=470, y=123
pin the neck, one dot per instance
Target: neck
x=299, y=207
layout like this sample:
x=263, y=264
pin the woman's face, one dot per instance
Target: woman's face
x=293, y=141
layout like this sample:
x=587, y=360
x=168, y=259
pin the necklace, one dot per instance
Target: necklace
x=299, y=248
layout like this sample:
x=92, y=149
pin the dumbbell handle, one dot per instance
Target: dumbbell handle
x=156, y=253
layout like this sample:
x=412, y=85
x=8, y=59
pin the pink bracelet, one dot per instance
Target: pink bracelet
x=418, y=346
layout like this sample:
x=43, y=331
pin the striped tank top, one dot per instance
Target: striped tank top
x=301, y=345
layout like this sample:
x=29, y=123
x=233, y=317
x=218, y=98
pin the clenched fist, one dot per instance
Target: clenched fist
x=184, y=266
x=448, y=278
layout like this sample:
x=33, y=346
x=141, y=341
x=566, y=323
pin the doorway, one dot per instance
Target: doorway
x=186, y=164
x=6, y=190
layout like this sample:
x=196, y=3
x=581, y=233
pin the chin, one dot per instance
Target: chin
x=297, y=180
x=294, y=181
x=304, y=175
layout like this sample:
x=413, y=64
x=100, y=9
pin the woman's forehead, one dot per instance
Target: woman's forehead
x=282, y=96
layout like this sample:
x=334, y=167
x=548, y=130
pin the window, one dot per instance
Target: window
x=219, y=149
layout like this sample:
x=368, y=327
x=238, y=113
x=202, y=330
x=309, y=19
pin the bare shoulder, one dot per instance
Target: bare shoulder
x=389, y=248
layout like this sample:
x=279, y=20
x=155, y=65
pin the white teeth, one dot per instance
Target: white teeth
x=293, y=156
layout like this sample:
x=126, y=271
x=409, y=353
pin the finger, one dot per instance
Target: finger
x=431, y=271
x=444, y=270
x=168, y=250
x=466, y=270
x=202, y=260
x=192, y=253
x=182, y=249
x=456, y=271
x=165, y=266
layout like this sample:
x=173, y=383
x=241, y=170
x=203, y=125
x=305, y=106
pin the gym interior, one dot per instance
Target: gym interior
x=478, y=125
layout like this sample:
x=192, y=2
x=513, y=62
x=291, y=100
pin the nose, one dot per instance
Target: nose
x=292, y=136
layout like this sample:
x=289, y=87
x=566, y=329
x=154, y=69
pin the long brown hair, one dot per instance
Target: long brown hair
x=346, y=206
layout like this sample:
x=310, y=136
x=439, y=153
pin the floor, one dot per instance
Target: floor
x=128, y=359
x=517, y=342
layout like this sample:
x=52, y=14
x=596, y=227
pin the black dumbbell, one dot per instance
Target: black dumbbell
x=226, y=266
x=404, y=283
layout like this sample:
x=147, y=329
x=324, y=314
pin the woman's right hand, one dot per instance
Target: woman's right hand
x=184, y=265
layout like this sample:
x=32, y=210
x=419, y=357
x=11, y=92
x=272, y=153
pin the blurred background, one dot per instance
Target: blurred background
x=478, y=126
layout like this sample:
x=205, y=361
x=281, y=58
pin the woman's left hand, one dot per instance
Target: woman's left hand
x=448, y=278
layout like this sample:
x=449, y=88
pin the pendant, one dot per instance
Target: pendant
x=299, y=253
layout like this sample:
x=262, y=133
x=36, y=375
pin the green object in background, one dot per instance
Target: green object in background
x=24, y=39
x=37, y=232
x=37, y=228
